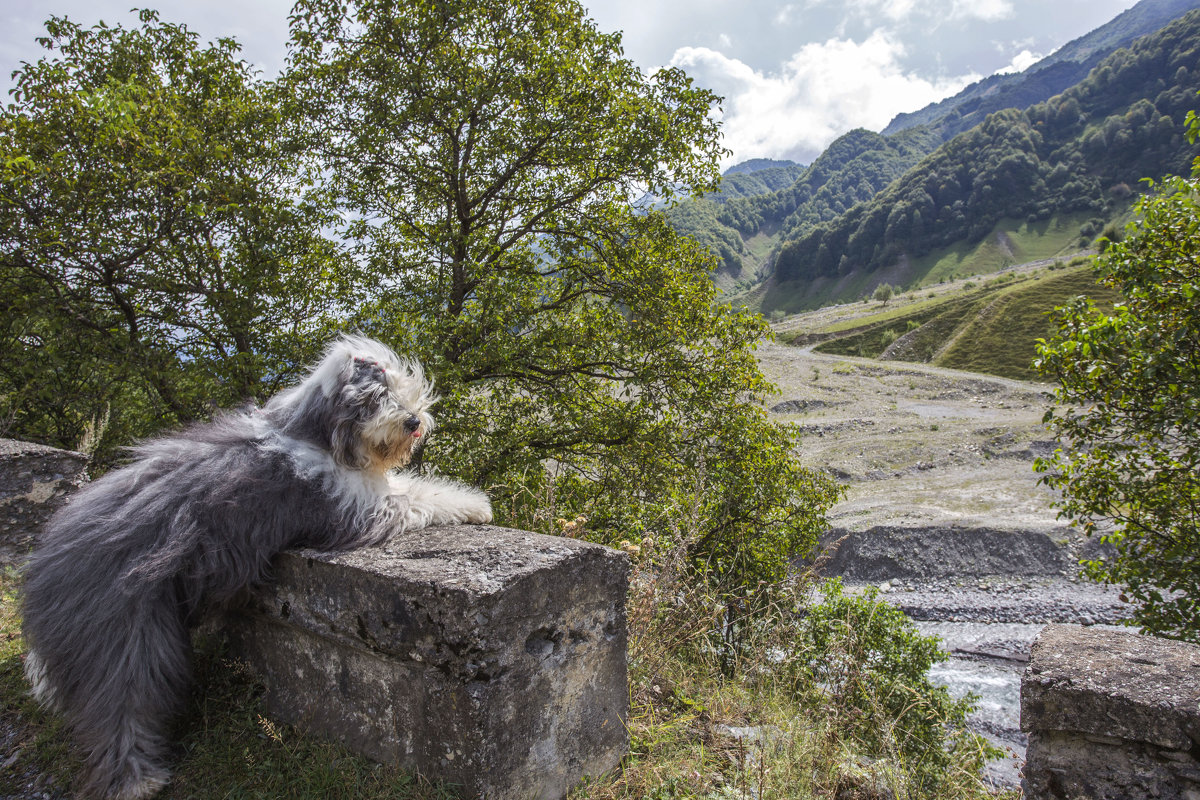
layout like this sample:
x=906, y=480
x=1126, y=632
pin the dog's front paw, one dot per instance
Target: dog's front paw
x=478, y=510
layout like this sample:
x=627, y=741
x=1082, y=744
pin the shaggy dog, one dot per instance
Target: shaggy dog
x=124, y=569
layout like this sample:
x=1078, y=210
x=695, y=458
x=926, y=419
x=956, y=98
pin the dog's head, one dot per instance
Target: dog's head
x=362, y=402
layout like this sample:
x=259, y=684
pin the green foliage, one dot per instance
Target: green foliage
x=883, y=292
x=867, y=659
x=698, y=220
x=153, y=258
x=486, y=152
x=1128, y=411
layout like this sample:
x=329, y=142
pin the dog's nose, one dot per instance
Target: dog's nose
x=411, y=424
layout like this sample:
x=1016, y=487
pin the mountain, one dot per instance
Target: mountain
x=742, y=228
x=1056, y=72
x=768, y=233
x=757, y=165
x=756, y=176
x=1078, y=155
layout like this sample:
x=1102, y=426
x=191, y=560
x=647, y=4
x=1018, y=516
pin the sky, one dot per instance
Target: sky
x=794, y=75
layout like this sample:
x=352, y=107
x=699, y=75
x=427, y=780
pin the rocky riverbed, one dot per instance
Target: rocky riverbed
x=944, y=513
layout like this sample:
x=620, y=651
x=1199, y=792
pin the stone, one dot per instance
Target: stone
x=1111, y=714
x=484, y=657
x=885, y=552
x=35, y=481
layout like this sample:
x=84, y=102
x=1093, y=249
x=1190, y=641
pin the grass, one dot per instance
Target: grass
x=990, y=329
x=760, y=244
x=897, y=310
x=1022, y=242
x=1001, y=338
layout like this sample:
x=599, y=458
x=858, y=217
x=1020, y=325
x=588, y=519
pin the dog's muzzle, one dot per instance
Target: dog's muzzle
x=411, y=426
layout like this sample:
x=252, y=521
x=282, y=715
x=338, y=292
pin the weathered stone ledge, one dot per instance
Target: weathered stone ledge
x=485, y=657
x=1111, y=715
x=34, y=481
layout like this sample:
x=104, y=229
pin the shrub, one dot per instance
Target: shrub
x=1126, y=411
x=866, y=661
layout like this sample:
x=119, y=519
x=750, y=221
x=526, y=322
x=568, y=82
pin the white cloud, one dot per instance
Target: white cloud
x=936, y=10
x=897, y=9
x=1021, y=62
x=822, y=91
x=986, y=10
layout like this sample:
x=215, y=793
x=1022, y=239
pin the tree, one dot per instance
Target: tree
x=486, y=153
x=883, y=293
x=154, y=259
x=1128, y=411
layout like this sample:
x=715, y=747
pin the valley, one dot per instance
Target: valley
x=943, y=510
x=1016, y=167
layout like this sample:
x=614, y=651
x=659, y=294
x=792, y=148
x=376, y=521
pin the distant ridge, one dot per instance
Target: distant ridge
x=1053, y=74
x=756, y=177
x=756, y=164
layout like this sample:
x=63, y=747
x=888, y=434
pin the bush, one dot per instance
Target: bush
x=833, y=687
x=867, y=661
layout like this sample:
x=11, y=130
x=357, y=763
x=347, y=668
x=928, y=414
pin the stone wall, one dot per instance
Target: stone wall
x=1111, y=715
x=489, y=658
x=34, y=481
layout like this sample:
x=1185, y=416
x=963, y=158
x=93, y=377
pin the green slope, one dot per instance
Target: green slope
x=990, y=329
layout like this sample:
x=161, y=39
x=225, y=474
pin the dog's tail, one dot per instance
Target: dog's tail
x=118, y=688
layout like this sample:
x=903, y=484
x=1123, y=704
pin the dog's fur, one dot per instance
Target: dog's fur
x=135, y=558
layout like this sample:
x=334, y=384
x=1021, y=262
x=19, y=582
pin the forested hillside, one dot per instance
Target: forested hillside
x=1056, y=72
x=1083, y=150
x=856, y=167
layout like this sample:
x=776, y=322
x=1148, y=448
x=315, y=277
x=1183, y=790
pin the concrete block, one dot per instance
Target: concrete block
x=34, y=481
x=1111, y=714
x=489, y=658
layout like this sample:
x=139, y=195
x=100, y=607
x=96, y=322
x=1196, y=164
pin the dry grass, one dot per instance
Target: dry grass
x=718, y=713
